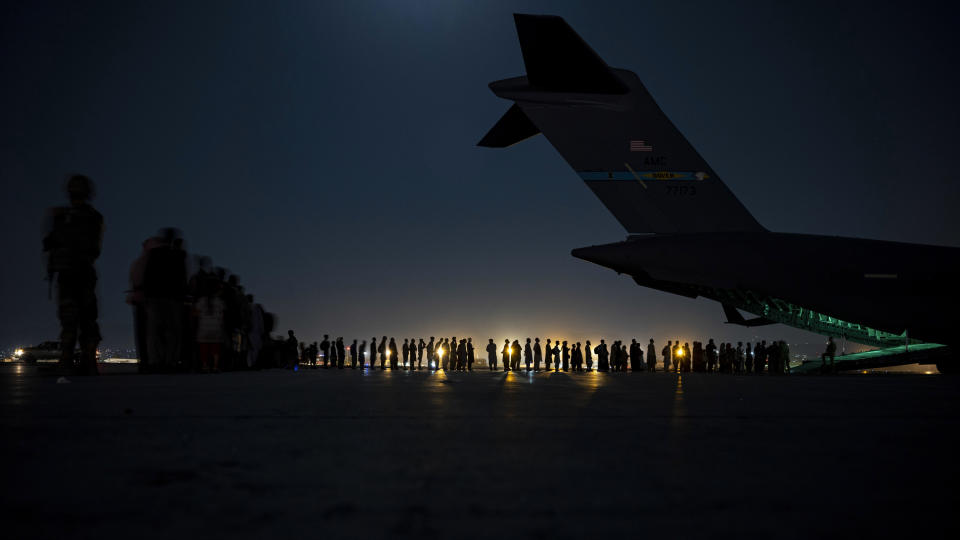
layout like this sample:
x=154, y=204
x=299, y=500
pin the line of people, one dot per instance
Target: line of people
x=204, y=322
x=460, y=355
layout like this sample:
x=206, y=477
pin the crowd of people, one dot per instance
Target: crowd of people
x=200, y=322
x=555, y=355
x=206, y=321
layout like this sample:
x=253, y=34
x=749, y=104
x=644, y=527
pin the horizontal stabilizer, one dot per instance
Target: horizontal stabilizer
x=734, y=317
x=513, y=127
x=558, y=60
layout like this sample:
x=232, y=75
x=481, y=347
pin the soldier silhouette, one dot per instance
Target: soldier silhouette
x=73, y=244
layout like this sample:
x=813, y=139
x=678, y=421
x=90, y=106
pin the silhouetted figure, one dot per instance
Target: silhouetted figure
x=361, y=352
x=72, y=244
x=588, y=353
x=537, y=354
x=453, y=353
x=602, y=358
x=516, y=351
x=431, y=352
x=462, y=355
x=636, y=358
x=393, y=353
x=565, y=352
x=548, y=359
x=353, y=355
x=528, y=355
x=748, y=359
x=830, y=353
x=739, y=366
x=556, y=356
x=406, y=352
x=325, y=350
x=491, y=355
x=383, y=353
x=165, y=288
x=699, y=361
x=444, y=352
x=506, y=355
x=341, y=353
x=711, y=356
x=577, y=357
x=615, y=356
x=290, y=351
x=666, y=352
x=760, y=357
x=420, y=347
x=470, y=354
x=651, y=356
x=334, y=354
x=687, y=358
x=373, y=351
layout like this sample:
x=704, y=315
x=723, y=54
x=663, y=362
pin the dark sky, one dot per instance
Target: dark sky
x=325, y=151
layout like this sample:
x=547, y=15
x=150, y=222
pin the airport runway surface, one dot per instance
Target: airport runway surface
x=478, y=455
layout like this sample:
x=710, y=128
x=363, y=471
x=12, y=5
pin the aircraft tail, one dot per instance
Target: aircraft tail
x=611, y=131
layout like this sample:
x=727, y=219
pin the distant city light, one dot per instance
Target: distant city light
x=18, y=353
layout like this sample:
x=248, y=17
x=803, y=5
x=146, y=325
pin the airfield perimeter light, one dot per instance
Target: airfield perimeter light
x=18, y=353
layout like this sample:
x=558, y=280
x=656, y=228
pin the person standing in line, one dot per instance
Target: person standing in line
x=748, y=359
x=548, y=359
x=634, y=350
x=406, y=353
x=506, y=355
x=413, y=354
x=528, y=355
x=470, y=354
x=446, y=352
x=537, y=355
x=462, y=355
x=665, y=353
x=341, y=353
x=372, y=357
x=452, y=352
x=333, y=354
x=491, y=355
x=740, y=359
x=651, y=356
x=615, y=356
x=353, y=355
x=517, y=351
x=760, y=357
x=601, y=351
x=565, y=351
x=578, y=357
x=589, y=356
x=383, y=353
x=431, y=351
x=394, y=354
x=420, y=347
x=361, y=352
x=711, y=351
x=556, y=355
x=636, y=363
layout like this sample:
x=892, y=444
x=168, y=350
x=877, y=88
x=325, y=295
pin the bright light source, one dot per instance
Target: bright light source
x=18, y=353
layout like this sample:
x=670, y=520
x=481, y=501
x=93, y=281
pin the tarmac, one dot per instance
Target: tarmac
x=348, y=454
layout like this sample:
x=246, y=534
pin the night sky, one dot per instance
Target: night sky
x=325, y=152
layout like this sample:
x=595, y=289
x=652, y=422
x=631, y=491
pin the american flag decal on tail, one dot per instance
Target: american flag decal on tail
x=640, y=146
